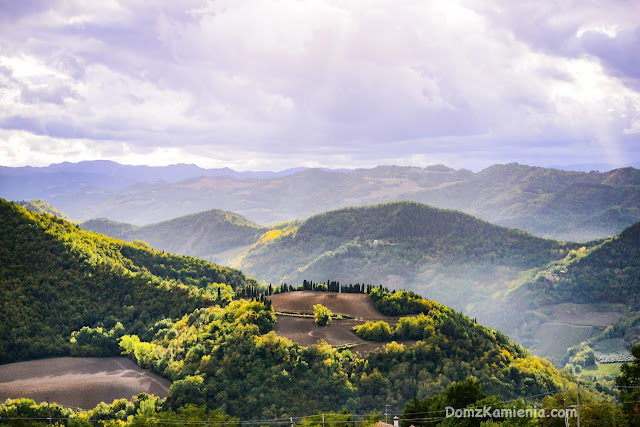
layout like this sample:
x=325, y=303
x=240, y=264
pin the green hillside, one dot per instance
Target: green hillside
x=202, y=234
x=450, y=256
x=230, y=358
x=601, y=283
x=39, y=206
x=115, y=229
x=56, y=278
x=172, y=315
x=610, y=273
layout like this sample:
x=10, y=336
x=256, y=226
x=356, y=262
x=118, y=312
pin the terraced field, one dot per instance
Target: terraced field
x=81, y=382
x=304, y=331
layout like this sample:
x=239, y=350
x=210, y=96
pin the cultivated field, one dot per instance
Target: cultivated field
x=613, y=350
x=584, y=314
x=599, y=371
x=81, y=382
x=357, y=306
x=304, y=331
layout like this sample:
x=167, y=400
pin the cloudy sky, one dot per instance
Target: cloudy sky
x=272, y=84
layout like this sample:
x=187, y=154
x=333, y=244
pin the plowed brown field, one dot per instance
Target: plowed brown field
x=304, y=331
x=358, y=306
x=81, y=382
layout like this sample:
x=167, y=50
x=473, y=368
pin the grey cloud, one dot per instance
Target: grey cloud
x=52, y=94
x=12, y=10
x=386, y=82
x=620, y=54
x=53, y=128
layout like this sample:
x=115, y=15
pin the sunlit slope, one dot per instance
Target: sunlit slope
x=202, y=234
x=56, y=278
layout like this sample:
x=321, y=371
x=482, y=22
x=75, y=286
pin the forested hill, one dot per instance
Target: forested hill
x=39, y=206
x=56, y=278
x=610, y=273
x=450, y=256
x=202, y=234
x=604, y=278
x=230, y=358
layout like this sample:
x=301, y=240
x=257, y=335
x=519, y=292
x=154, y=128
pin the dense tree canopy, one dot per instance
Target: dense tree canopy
x=57, y=278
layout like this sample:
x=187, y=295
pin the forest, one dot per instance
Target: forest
x=210, y=330
x=57, y=278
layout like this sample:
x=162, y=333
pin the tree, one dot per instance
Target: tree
x=629, y=384
x=322, y=315
x=458, y=395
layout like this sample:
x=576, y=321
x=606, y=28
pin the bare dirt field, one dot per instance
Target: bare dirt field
x=304, y=331
x=81, y=382
x=358, y=306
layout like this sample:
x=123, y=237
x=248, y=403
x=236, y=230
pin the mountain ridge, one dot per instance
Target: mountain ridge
x=533, y=199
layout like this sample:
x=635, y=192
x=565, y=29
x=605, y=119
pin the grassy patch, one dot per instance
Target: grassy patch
x=602, y=370
x=554, y=339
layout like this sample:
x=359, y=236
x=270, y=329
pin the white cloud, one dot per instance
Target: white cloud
x=325, y=82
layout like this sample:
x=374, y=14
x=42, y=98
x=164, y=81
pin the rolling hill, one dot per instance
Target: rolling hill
x=230, y=357
x=57, y=278
x=595, y=287
x=565, y=205
x=39, y=206
x=203, y=235
x=450, y=256
x=85, y=293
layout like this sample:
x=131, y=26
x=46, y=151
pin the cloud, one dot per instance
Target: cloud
x=275, y=84
x=617, y=51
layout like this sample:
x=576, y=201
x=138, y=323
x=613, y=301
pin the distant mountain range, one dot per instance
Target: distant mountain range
x=564, y=205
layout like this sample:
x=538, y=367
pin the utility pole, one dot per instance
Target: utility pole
x=291, y=420
x=323, y=419
x=386, y=413
x=578, y=403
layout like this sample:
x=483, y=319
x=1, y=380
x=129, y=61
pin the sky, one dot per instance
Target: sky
x=275, y=84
